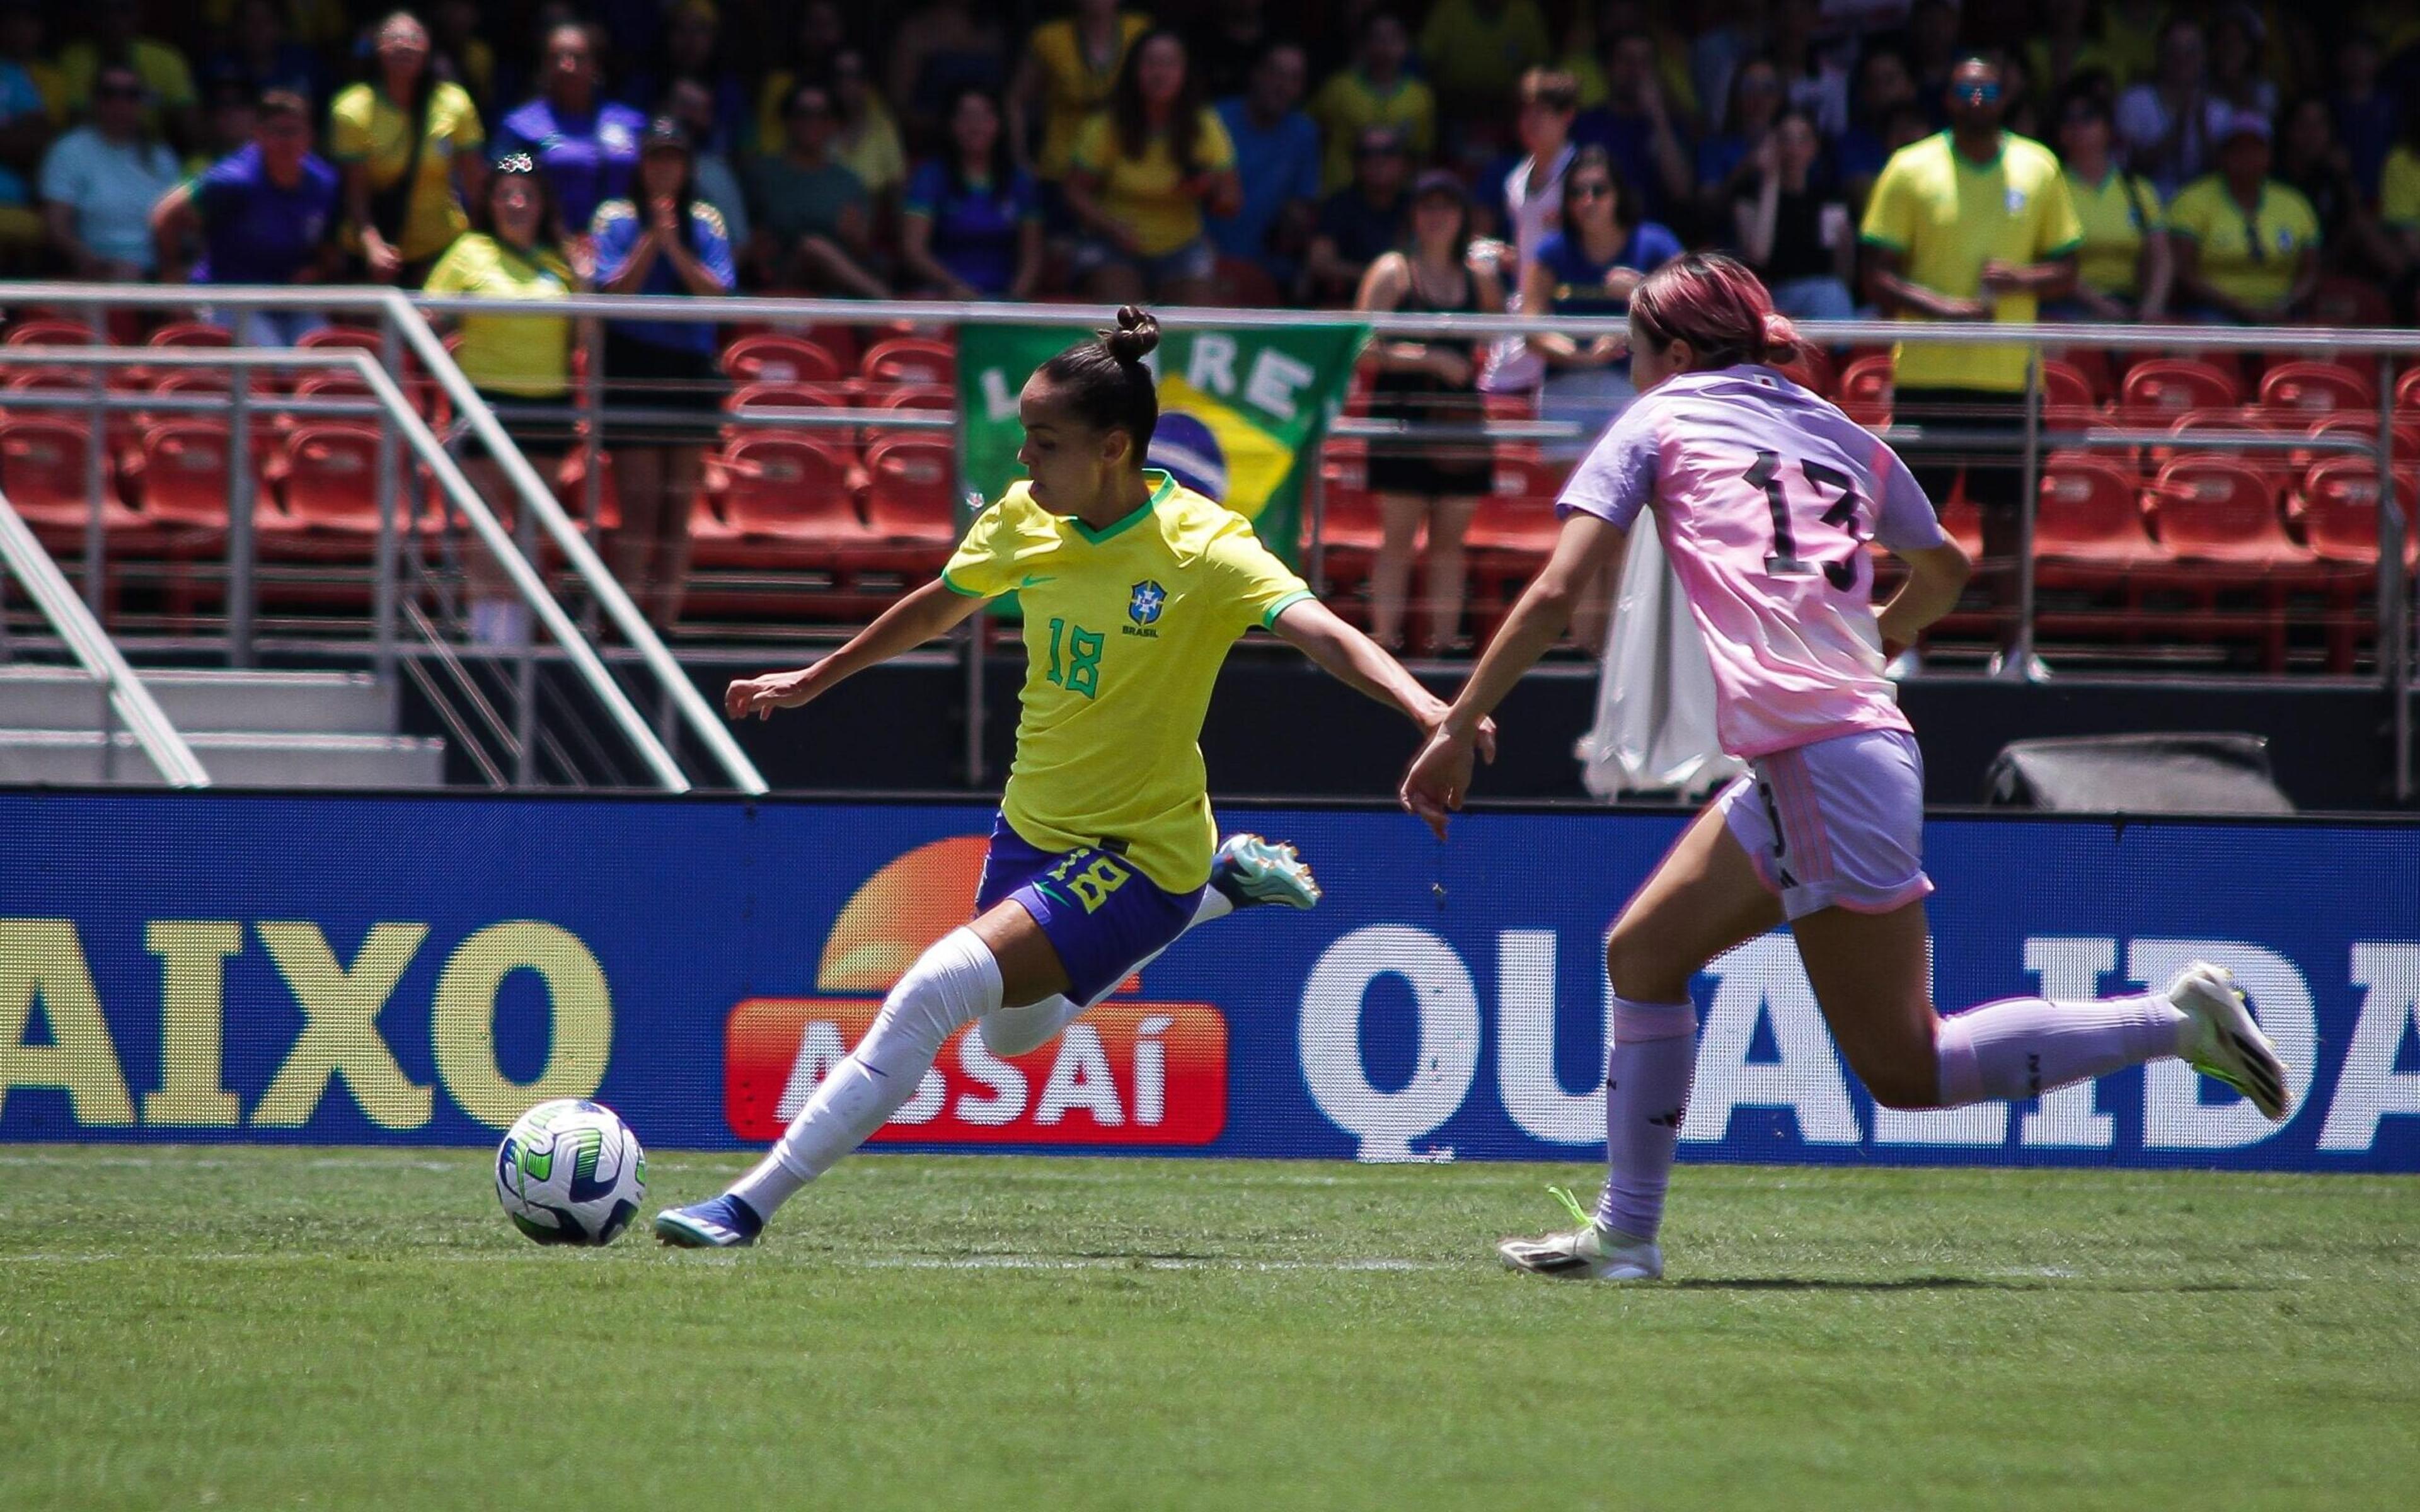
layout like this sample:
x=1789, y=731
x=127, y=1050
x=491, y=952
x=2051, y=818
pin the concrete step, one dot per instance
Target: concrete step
x=56, y=698
x=269, y=759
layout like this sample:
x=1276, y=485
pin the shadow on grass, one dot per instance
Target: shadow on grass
x=1952, y=1282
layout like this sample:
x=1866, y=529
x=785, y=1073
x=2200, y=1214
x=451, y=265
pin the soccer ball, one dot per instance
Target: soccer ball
x=570, y=1172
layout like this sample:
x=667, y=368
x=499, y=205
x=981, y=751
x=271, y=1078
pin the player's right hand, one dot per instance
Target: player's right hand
x=761, y=696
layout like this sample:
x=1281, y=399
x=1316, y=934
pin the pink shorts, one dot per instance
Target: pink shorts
x=1835, y=824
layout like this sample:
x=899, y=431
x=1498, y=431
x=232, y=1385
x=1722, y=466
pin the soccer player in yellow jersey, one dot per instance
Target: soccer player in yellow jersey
x=1132, y=589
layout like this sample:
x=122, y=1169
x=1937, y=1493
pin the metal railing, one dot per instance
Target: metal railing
x=404, y=330
x=2397, y=657
x=123, y=693
x=414, y=432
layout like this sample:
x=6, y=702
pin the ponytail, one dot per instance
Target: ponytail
x=1719, y=307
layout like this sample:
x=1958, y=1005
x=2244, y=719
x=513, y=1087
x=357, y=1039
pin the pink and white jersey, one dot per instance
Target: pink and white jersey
x=1766, y=496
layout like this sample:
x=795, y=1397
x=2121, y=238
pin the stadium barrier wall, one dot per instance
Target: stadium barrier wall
x=417, y=970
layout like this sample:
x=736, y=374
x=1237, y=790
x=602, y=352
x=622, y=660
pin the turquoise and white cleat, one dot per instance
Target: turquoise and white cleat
x=2223, y=1041
x=723, y=1223
x=1590, y=1253
x=1251, y=872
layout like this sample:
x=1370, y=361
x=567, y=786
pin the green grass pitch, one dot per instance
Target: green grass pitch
x=245, y=1327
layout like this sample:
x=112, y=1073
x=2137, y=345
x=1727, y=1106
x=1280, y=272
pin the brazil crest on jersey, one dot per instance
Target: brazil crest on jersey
x=1125, y=629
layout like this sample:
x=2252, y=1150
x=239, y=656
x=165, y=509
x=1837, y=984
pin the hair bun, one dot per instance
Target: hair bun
x=1136, y=334
x=1781, y=339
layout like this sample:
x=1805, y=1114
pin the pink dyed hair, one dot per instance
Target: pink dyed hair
x=1718, y=306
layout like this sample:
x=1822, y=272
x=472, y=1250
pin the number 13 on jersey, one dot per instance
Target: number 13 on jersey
x=1784, y=559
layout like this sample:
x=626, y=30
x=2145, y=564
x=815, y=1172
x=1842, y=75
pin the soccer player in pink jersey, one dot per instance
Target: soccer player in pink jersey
x=1765, y=496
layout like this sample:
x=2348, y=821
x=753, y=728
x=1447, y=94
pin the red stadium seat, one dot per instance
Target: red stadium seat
x=2090, y=538
x=2161, y=388
x=2407, y=390
x=190, y=333
x=42, y=331
x=911, y=359
x=327, y=474
x=44, y=462
x=911, y=502
x=2360, y=427
x=2316, y=388
x=1510, y=538
x=2277, y=466
x=1865, y=391
x=2338, y=510
x=778, y=357
x=2092, y=364
x=570, y=484
x=789, y=501
x=2066, y=387
x=2222, y=510
x=1811, y=370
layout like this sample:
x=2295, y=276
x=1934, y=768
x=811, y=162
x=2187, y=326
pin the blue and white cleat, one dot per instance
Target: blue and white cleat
x=1590, y=1253
x=723, y=1223
x=1251, y=872
x=2222, y=1041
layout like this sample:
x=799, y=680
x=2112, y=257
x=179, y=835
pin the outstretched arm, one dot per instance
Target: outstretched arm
x=930, y=610
x=1440, y=775
x=1361, y=664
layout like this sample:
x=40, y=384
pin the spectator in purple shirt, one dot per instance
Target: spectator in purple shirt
x=261, y=215
x=586, y=147
x=1635, y=128
x=973, y=224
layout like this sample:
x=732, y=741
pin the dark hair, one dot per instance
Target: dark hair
x=1003, y=167
x=1183, y=117
x=277, y=103
x=510, y=166
x=1624, y=201
x=1718, y=306
x=1104, y=382
x=1551, y=88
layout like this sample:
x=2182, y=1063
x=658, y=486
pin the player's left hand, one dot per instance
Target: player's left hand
x=1434, y=784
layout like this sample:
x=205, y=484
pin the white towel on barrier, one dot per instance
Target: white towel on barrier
x=1654, y=728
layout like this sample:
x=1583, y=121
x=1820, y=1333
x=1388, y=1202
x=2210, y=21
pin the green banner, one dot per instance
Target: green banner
x=1241, y=412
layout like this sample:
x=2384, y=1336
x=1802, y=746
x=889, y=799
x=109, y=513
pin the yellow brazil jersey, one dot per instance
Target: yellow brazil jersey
x=363, y=126
x=2399, y=190
x=1125, y=629
x=1349, y=104
x=1071, y=88
x=1142, y=192
x=2252, y=258
x=2117, y=215
x=1947, y=216
x=527, y=356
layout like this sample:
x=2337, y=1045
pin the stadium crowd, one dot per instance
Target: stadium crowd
x=2223, y=157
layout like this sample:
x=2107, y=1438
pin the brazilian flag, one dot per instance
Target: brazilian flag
x=1241, y=412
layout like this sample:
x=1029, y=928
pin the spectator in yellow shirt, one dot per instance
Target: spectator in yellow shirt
x=2123, y=271
x=2399, y=211
x=867, y=143
x=1476, y=50
x=1972, y=224
x=408, y=147
x=117, y=24
x=1141, y=174
x=1372, y=91
x=2247, y=247
x=1069, y=69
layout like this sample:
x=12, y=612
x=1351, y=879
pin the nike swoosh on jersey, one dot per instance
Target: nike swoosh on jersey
x=1030, y=581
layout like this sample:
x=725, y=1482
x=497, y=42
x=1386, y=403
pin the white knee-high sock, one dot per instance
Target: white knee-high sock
x=954, y=982
x=2025, y=1046
x=1013, y=1031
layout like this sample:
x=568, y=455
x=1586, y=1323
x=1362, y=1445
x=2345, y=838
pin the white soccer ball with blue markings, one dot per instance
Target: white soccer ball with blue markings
x=570, y=1172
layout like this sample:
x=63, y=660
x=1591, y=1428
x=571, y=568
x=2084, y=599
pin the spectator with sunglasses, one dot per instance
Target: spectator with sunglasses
x=2246, y=247
x=1603, y=249
x=813, y=221
x=100, y=181
x=262, y=215
x=1364, y=221
x=170, y=102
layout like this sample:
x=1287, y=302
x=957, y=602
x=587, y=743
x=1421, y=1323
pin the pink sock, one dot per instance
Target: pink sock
x=1647, y=1074
x=2022, y=1047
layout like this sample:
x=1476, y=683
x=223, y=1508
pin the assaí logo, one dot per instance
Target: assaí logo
x=1127, y=1072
